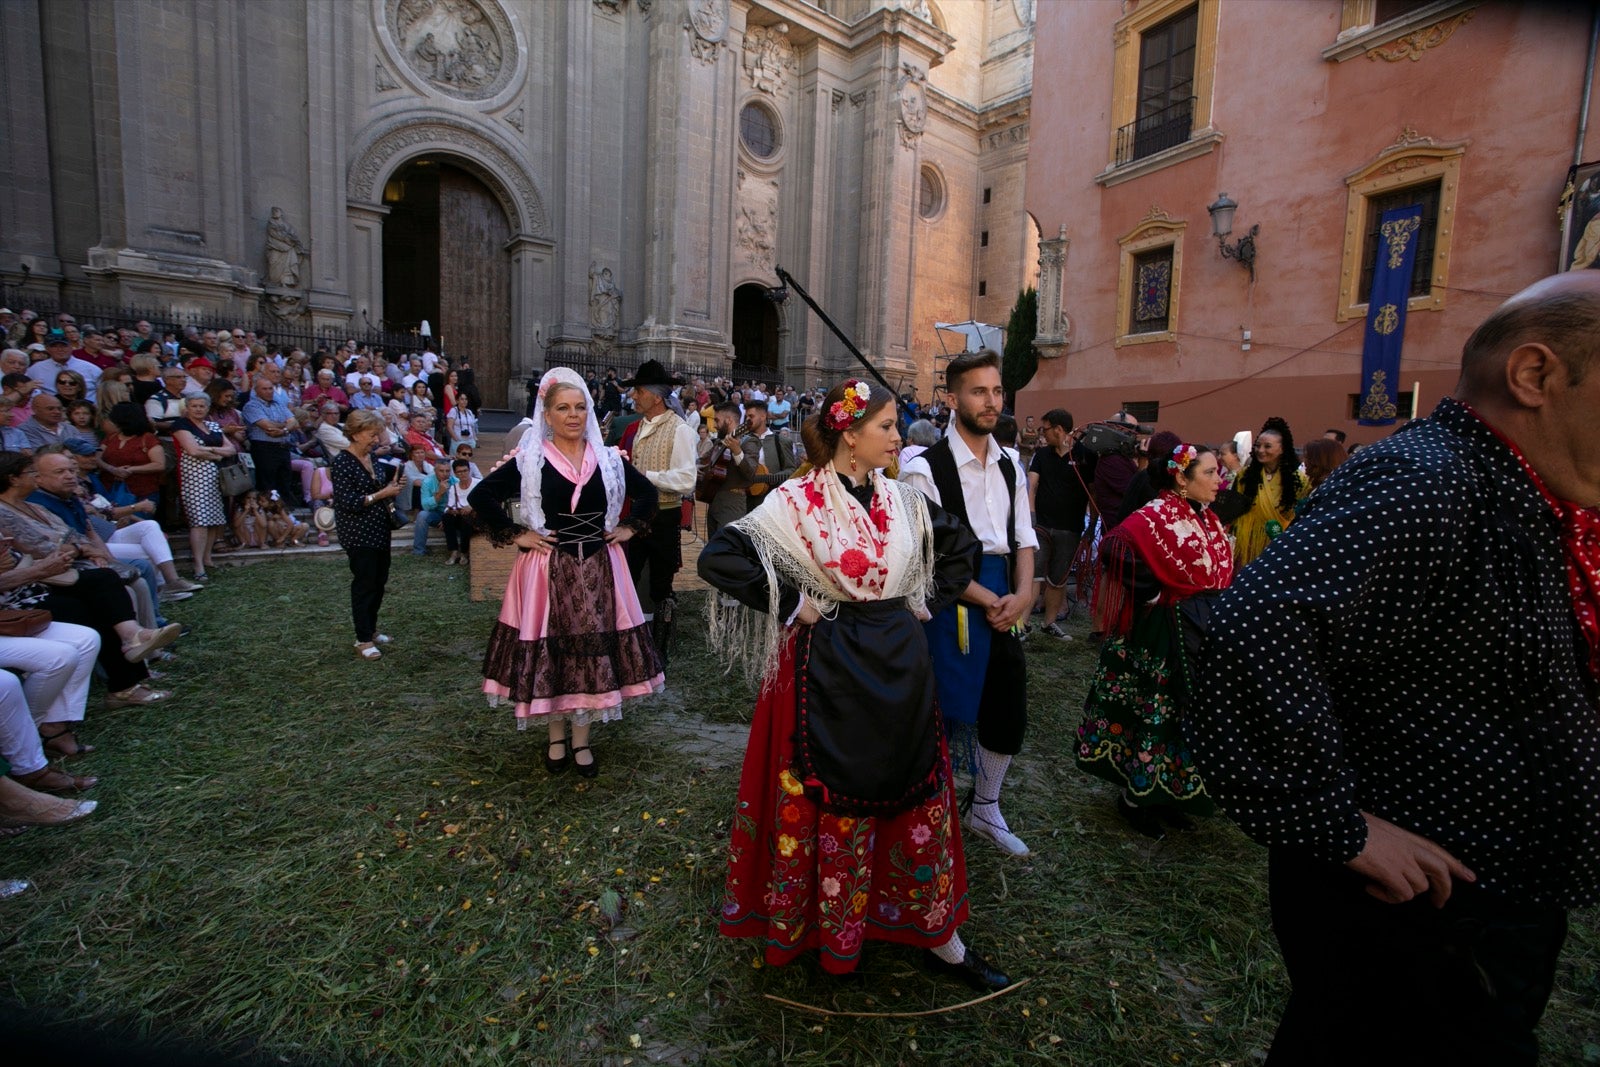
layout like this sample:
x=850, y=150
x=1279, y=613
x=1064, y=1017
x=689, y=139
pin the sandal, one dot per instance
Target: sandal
x=136, y=696
x=201, y=576
x=382, y=639
x=50, y=780
x=22, y=807
x=69, y=746
x=368, y=650
x=149, y=640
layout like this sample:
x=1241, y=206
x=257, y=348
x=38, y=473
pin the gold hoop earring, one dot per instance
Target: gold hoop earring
x=1183, y=491
x=852, y=459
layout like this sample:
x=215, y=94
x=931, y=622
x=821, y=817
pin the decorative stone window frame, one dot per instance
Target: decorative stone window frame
x=1125, y=37
x=933, y=171
x=1154, y=230
x=1410, y=161
x=762, y=164
x=1422, y=29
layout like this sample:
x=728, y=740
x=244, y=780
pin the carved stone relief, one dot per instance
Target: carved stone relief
x=707, y=23
x=912, y=92
x=1412, y=45
x=756, y=230
x=1052, y=325
x=768, y=57
x=517, y=119
x=463, y=48
x=382, y=80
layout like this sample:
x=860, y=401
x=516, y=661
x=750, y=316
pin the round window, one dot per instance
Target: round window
x=759, y=131
x=930, y=197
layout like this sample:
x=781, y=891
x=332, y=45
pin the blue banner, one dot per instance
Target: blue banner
x=1386, y=314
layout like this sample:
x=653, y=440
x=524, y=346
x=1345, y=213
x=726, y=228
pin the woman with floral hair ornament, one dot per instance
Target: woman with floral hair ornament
x=845, y=829
x=1159, y=568
x=571, y=642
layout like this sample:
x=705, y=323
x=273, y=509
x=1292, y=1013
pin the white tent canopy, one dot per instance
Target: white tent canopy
x=977, y=334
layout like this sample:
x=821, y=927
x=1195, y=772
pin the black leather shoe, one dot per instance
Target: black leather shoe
x=1144, y=820
x=587, y=770
x=556, y=766
x=974, y=970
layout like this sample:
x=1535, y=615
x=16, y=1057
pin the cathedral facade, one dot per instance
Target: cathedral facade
x=617, y=177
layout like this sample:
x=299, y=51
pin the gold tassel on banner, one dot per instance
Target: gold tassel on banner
x=963, y=638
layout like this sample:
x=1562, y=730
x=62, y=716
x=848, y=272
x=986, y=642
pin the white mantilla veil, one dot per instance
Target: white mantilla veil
x=531, y=458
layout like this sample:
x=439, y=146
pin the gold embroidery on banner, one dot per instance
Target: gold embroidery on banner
x=1379, y=402
x=1399, y=234
x=1387, y=318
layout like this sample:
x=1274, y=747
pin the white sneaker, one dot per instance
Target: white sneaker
x=1003, y=839
x=1054, y=630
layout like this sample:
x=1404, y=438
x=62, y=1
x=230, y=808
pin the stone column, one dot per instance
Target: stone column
x=330, y=59
x=27, y=205
x=366, y=261
x=533, y=262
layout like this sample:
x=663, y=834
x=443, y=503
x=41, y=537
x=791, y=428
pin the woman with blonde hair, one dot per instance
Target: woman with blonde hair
x=363, y=492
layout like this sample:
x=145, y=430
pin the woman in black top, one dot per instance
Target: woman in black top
x=361, y=496
x=571, y=643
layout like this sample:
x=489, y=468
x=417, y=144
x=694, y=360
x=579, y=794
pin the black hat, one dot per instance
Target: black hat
x=650, y=372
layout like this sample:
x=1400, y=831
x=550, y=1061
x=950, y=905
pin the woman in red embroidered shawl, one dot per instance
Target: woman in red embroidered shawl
x=846, y=826
x=1159, y=569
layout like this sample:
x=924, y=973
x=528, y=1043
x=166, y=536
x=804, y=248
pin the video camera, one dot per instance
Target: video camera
x=1113, y=438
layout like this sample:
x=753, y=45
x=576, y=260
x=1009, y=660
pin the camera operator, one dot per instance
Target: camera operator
x=1115, y=470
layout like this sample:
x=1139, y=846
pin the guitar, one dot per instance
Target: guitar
x=712, y=473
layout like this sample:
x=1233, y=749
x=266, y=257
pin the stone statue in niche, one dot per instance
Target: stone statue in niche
x=285, y=253
x=920, y=9
x=768, y=57
x=451, y=43
x=913, y=94
x=605, y=304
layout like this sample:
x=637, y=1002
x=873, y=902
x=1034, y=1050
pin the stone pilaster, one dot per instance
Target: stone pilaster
x=27, y=204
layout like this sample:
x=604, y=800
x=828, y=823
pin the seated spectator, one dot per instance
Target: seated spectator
x=421, y=400
x=59, y=357
x=420, y=435
x=329, y=433
x=326, y=389
x=435, y=486
x=463, y=426
x=458, y=513
x=97, y=598
x=21, y=389
x=40, y=714
x=48, y=424
x=417, y=468
x=146, y=377
x=398, y=414
x=10, y=436
x=367, y=397
x=466, y=452
x=70, y=386
x=116, y=386
x=133, y=458
x=82, y=416
x=202, y=372
x=13, y=361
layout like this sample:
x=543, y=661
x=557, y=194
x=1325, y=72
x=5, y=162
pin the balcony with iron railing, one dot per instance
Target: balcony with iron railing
x=1155, y=132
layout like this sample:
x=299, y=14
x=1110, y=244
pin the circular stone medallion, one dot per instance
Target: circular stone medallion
x=463, y=48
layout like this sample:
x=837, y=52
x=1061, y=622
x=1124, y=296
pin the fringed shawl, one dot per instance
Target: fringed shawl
x=1186, y=551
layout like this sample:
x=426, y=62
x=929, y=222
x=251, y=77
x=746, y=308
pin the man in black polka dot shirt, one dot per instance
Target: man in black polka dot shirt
x=1400, y=701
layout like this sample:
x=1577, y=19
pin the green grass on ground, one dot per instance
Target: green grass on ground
x=315, y=859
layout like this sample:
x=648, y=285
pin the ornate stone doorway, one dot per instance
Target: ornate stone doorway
x=755, y=328
x=445, y=259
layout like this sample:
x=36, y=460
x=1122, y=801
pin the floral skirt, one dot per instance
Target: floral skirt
x=802, y=876
x=1132, y=731
x=570, y=639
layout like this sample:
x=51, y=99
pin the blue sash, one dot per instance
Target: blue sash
x=958, y=675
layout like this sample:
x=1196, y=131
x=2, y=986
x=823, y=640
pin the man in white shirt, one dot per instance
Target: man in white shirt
x=664, y=449
x=979, y=666
x=59, y=357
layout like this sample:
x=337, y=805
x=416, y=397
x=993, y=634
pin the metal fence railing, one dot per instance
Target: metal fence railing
x=1156, y=131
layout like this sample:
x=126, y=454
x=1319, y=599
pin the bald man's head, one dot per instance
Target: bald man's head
x=1561, y=312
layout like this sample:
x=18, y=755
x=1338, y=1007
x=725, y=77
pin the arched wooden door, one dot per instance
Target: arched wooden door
x=475, y=281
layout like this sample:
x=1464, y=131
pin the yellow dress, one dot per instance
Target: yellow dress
x=1253, y=530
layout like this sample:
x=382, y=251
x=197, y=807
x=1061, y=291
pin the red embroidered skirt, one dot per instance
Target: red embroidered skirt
x=801, y=876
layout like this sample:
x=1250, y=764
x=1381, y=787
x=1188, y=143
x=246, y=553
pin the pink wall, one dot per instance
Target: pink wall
x=1507, y=83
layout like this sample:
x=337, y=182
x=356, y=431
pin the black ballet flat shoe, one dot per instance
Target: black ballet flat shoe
x=1176, y=819
x=556, y=766
x=586, y=770
x=1143, y=820
x=974, y=970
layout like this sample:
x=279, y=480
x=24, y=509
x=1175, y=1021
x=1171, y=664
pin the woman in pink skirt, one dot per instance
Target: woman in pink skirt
x=571, y=658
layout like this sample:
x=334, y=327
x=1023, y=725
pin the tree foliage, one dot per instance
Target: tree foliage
x=1020, y=359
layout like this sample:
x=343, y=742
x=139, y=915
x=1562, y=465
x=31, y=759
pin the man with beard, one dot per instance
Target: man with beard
x=764, y=447
x=978, y=661
x=662, y=447
x=731, y=451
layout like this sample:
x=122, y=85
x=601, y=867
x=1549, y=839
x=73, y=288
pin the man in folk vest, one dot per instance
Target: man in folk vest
x=764, y=447
x=979, y=667
x=662, y=446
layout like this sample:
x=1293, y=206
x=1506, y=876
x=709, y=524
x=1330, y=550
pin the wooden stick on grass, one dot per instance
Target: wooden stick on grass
x=898, y=1014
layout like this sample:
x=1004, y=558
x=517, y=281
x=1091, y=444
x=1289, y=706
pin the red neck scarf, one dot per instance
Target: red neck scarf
x=1187, y=552
x=1580, y=538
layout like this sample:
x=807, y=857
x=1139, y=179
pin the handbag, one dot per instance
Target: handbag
x=233, y=479
x=23, y=622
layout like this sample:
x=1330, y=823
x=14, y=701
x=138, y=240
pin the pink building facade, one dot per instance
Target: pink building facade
x=1313, y=116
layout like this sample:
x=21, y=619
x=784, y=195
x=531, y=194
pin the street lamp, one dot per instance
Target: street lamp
x=1243, y=250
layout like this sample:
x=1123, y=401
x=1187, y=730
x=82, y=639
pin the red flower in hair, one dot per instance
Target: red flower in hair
x=853, y=563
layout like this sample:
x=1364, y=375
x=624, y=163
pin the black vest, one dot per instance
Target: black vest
x=946, y=479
